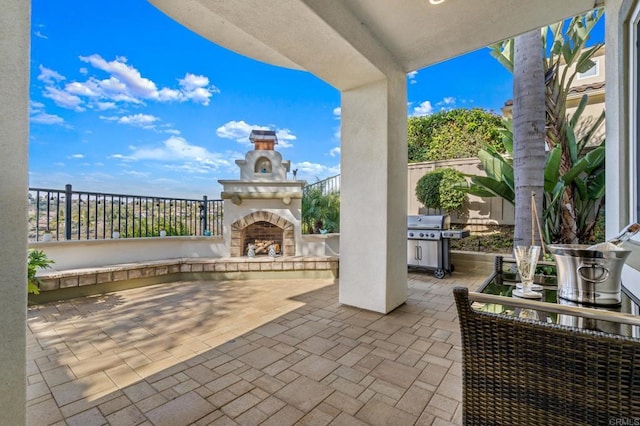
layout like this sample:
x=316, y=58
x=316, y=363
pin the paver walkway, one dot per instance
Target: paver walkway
x=272, y=352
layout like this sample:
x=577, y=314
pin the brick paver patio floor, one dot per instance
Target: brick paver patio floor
x=272, y=352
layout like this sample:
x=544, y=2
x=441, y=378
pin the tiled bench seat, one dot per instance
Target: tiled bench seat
x=189, y=267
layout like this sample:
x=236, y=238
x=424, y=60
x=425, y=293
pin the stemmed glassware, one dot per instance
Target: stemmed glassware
x=526, y=262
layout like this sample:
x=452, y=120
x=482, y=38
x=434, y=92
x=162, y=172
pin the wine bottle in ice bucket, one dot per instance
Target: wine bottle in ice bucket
x=615, y=242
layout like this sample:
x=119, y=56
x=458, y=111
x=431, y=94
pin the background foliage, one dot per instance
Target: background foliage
x=320, y=211
x=457, y=133
x=440, y=189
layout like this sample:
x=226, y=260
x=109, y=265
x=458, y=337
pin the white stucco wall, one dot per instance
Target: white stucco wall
x=621, y=142
x=482, y=211
x=373, y=197
x=320, y=245
x=93, y=253
x=86, y=254
x=617, y=97
x=15, y=27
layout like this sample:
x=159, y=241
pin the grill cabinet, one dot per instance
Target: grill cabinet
x=428, y=243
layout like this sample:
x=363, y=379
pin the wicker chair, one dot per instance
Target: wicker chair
x=526, y=372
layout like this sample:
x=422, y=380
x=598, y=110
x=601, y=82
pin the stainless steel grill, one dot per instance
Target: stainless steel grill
x=428, y=243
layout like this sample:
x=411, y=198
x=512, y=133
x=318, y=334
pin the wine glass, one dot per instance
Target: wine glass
x=526, y=262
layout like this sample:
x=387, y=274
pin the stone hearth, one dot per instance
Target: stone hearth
x=240, y=237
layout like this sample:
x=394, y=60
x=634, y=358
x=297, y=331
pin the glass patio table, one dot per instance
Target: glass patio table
x=503, y=281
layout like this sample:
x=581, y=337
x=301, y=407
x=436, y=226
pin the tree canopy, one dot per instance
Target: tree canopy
x=457, y=133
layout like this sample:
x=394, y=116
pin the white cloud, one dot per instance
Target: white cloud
x=284, y=136
x=89, y=89
x=412, y=77
x=49, y=76
x=175, y=150
x=196, y=88
x=63, y=99
x=310, y=171
x=173, y=132
x=335, y=152
x=309, y=168
x=145, y=121
x=337, y=114
x=123, y=84
x=103, y=106
x=127, y=75
x=44, y=118
x=127, y=84
x=425, y=108
x=135, y=173
x=40, y=35
x=38, y=115
x=447, y=103
x=168, y=95
x=239, y=131
x=77, y=156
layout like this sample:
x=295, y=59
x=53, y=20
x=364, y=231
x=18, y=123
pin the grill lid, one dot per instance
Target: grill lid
x=428, y=221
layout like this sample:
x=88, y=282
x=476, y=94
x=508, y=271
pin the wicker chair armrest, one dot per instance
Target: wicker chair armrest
x=525, y=372
x=580, y=311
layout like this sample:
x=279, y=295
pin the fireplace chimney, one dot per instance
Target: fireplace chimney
x=263, y=140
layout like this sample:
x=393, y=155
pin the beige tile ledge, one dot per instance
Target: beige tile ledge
x=59, y=279
x=54, y=273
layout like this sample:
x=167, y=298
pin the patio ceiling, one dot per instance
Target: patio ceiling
x=348, y=43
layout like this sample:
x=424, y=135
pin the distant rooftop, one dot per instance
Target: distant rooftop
x=585, y=88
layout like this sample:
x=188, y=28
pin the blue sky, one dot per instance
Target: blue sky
x=126, y=100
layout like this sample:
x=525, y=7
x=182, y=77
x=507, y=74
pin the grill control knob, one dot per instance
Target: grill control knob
x=421, y=235
x=411, y=234
x=433, y=235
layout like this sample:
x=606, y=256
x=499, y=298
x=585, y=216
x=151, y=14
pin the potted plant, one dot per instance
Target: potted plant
x=36, y=260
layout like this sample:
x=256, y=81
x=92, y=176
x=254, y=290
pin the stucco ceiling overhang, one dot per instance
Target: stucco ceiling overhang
x=348, y=43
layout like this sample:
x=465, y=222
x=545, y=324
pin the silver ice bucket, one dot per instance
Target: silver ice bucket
x=589, y=276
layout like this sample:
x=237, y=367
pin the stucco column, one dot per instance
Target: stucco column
x=619, y=210
x=373, y=195
x=14, y=122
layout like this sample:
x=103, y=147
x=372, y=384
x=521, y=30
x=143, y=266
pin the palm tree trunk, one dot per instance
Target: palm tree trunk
x=528, y=132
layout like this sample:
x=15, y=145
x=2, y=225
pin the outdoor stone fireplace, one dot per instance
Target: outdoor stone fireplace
x=263, y=207
x=262, y=227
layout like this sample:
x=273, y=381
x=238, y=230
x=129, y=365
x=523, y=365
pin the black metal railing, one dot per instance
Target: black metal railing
x=79, y=215
x=329, y=185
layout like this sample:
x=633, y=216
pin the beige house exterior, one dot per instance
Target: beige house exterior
x=591, y=83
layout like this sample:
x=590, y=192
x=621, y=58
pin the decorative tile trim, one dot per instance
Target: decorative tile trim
x=54, y=280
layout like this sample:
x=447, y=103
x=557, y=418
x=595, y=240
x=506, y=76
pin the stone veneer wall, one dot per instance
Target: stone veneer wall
x=288, y=240
x=58, y=285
